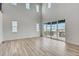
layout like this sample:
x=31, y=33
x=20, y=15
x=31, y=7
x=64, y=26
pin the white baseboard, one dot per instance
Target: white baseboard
x=73, y=43
x=1, y=41
x=20, y=38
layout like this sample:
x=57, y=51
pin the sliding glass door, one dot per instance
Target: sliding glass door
x=55, y=30
x=61, y=30
x=46, y=29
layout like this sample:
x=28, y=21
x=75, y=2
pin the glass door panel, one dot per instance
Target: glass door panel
x=54, y=30
x=61, y=30
x=44, y=29
x=48, y=29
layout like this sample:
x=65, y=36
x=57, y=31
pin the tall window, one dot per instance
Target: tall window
x=37, y=27
x=27, y=5
x=54, y=26
x=14, y=26
x=61, y=24
x=49, y=5
x=37, y=8
x=54, y=30
x=44, y=27
x=48, y=27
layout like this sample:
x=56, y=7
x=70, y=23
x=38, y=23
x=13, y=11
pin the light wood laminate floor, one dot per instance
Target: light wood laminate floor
x=37, y=47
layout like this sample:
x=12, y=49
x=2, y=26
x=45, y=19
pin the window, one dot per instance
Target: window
x=61, y=24
x=49, y=5
x=27, y=5
x=37, y=8
x=48, y=27
x=14, y=26
x=44, y=27
x=54, y=26
x=37, y=27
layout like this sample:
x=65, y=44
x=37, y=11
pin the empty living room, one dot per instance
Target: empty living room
x=39, y=29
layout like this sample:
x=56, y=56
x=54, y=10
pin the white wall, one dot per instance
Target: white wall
x=27, y=20
x=69, y=12
x=1, y=32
